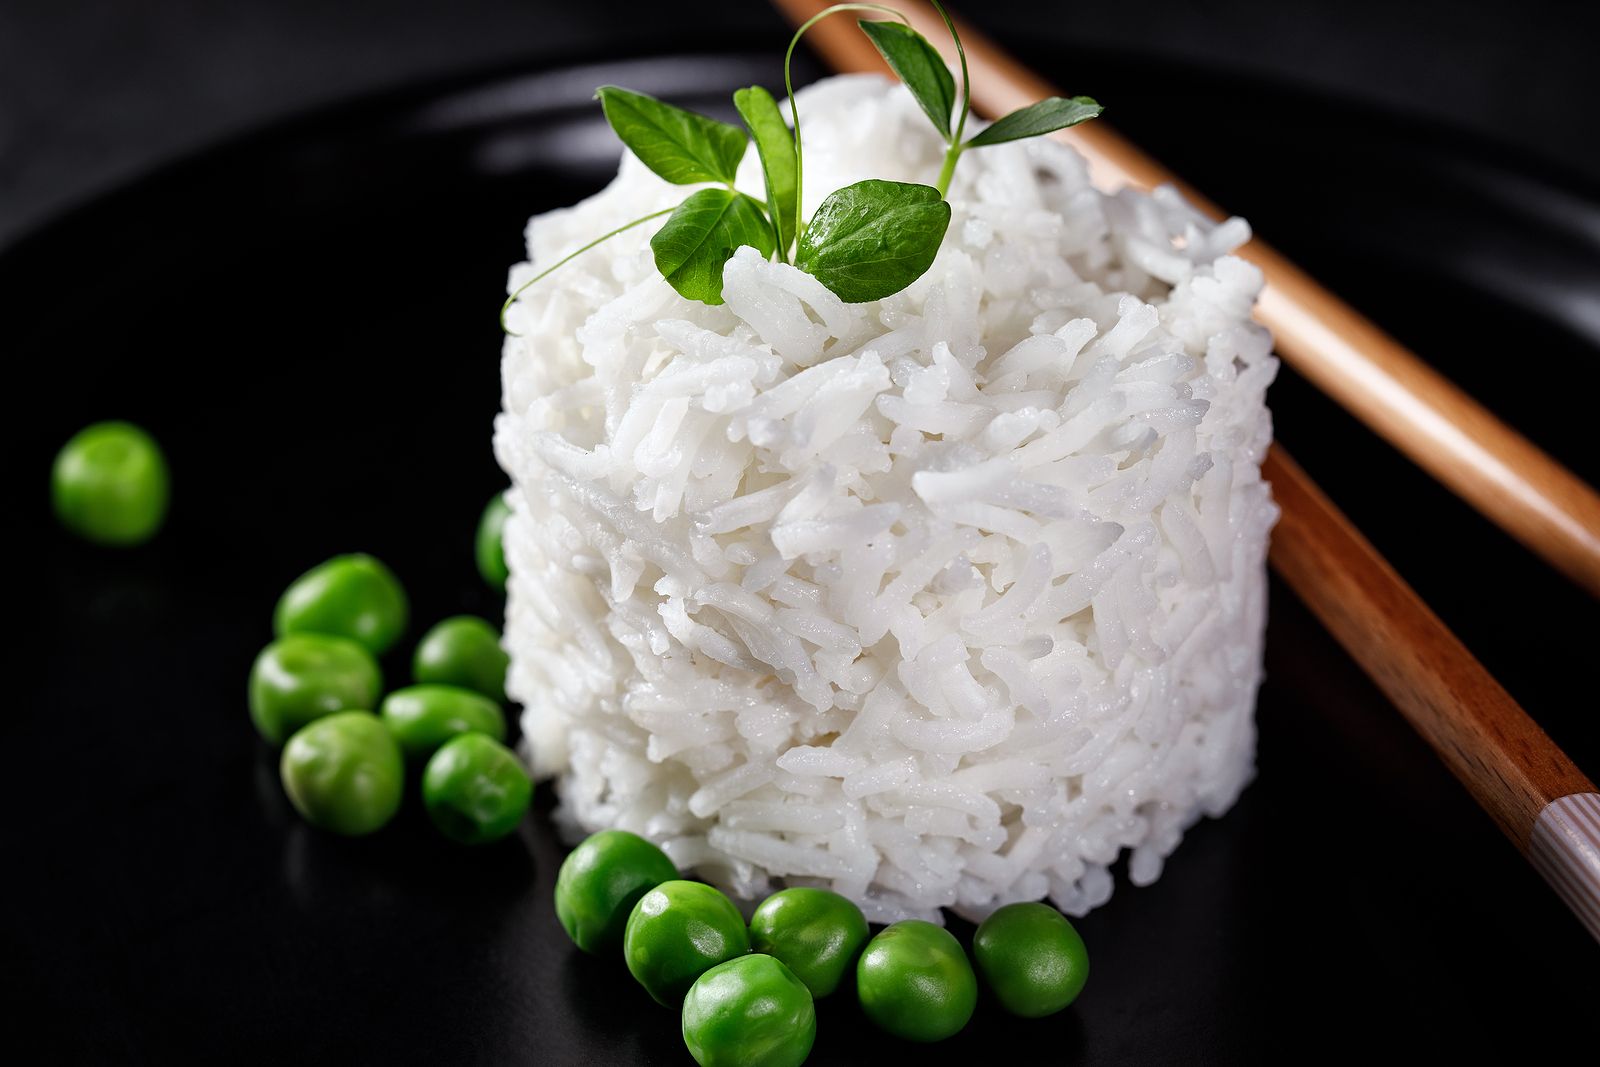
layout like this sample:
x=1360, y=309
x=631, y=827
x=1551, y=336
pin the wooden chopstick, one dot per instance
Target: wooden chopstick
x=1443, y=430
x=1535, y=794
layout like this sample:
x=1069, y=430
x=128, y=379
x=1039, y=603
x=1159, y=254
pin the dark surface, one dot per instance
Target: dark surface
x=307, y=322
x=94, y=92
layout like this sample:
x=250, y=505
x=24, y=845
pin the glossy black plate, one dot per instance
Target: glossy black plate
x=306, y=320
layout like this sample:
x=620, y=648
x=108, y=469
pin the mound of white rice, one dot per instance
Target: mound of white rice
x=939, y=602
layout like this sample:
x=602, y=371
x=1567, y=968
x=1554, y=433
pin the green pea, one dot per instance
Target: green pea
x=110, y=484
x=749, y=1012
x=915, y=982
x=463, y=651
x=677, y=932
x=1031, y=958
x=351, y=596
x=305, y=676
x=475, y=789
x=816, y=933
x=599, y=883
x=344, y=773
x=490, y=547
x=423, y=717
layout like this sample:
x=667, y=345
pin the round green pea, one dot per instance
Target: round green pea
x=749, y=1011
x=344, y=773
x=677, y=932
x=110, y=484
x=490, y=547
x=303, y=677
x=475, y=789
x=1031, y=958
x=599, y=883
x=816, y=933
x=352, y=596
x=915, y=982
x=464, y=651
x=423, y=717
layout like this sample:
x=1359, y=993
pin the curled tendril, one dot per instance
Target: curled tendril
x=569, y=257
x=788, y=81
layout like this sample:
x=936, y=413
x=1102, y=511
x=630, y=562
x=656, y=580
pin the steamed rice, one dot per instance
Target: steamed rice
x=942, y=601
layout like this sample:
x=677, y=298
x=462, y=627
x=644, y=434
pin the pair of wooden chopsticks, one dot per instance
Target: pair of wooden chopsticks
x=1537, y=796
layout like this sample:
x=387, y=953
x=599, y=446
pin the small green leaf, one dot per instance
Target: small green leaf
x=702, y=234
x=775, y=146
x=910, y=56
x=679, y=145
x=1046, y=116
x=872, y=239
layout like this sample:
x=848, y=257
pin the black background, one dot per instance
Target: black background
x=301, y=321
x=93, y=92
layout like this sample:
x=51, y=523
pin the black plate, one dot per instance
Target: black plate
x=307, y=321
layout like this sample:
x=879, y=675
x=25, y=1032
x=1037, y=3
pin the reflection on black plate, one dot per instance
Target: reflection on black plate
x=307, y=321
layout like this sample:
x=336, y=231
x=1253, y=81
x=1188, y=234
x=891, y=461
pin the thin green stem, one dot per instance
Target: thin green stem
x=564, y=260
x=777, y=238
x=953, y=154
x=794, y=109
x=966, y=81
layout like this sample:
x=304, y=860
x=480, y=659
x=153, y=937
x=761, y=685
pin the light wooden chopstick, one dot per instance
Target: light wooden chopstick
x=1534, y=793
x=1416, y=409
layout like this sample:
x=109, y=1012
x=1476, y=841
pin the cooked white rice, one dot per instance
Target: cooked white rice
x=939, y=602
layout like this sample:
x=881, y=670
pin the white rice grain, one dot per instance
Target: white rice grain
x=945, y=601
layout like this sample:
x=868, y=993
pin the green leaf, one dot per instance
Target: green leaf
x=702, y=234
x=775, y=146
x=872, y=239
x=910, y=56
x=679, y=145
x=1046, y=116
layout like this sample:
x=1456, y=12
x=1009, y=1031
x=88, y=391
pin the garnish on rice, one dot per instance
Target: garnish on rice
x=866, y=241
